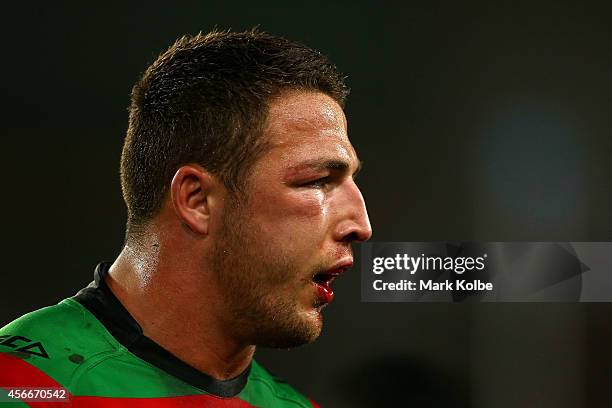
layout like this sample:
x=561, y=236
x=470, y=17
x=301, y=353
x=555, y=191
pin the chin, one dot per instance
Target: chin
x=297, y=333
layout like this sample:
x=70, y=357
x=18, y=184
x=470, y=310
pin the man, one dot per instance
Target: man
x=237, y=173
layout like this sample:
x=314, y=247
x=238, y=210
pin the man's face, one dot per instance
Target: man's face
x=281, y=247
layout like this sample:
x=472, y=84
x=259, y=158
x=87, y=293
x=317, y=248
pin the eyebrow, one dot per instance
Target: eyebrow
x=326, y=164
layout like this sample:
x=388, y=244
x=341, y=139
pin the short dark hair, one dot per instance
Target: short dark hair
x=205, y=100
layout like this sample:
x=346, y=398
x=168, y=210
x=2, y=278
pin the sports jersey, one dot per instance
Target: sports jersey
x=92, y=348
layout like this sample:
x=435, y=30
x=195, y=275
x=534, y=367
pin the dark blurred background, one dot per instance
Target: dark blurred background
x=485, y=122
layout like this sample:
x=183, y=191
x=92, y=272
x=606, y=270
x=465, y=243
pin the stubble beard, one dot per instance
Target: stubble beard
x=260, y=285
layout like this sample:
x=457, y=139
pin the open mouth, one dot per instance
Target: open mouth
x=322, y=282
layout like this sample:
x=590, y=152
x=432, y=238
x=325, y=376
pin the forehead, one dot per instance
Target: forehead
x=304, y=125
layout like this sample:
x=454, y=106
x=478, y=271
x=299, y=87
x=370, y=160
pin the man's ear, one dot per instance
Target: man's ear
x=194, y=193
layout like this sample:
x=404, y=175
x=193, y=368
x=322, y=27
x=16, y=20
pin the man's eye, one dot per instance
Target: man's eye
x=318, y=183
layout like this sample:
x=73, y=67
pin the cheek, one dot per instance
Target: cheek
x=296, y=211
x=308, y=205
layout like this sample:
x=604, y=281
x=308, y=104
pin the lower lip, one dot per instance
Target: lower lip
x=326, y=294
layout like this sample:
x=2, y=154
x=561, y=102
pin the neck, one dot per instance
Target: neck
x=176, y=311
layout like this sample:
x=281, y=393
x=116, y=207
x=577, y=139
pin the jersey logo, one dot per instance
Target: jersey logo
x=23, y=345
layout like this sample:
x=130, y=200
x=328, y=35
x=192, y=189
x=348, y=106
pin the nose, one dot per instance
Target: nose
x=354, y=223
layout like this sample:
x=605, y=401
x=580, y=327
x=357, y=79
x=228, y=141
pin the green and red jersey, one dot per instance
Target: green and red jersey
x=90, y=346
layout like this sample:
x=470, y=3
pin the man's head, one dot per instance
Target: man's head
x=205, y=100
x=245, y=141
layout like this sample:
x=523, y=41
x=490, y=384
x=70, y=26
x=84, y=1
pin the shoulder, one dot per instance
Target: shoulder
x=266, y=387
x=52, y=344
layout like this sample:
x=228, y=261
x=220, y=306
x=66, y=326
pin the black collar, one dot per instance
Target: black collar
x=102, y=303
